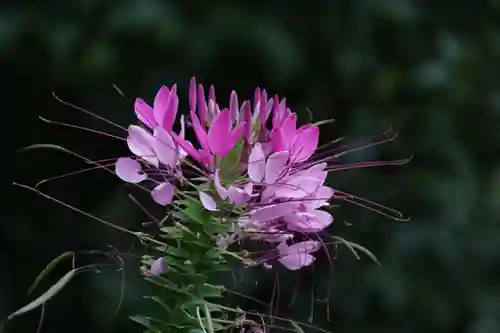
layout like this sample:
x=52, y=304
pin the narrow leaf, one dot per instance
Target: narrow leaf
x=51, y=292
x=49, y=269
x=297, y=327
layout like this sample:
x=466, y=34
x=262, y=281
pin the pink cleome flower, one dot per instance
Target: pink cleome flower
x=269, y=171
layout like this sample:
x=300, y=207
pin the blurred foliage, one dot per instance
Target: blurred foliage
x=428, y=68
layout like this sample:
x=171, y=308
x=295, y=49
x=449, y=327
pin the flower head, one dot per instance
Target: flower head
x=269, y=171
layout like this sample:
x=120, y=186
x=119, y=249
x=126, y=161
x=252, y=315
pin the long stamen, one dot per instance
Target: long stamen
x=81, y=128
x=88, y=112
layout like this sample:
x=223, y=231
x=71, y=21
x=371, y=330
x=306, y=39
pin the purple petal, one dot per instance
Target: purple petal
x=275, y=166
x=207, y=201
x=272, y=212
x=163, y=193
x=165, y=147
x=144, y=113
x=295, y=262
x=140, y=143
x=220, y=189
x=158, y=267
x=298, y=187
x=129, y=170
x=308, y=246
x=237, y=195
x=312, y=221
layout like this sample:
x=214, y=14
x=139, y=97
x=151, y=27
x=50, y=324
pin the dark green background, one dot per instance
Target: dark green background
x=429, y=68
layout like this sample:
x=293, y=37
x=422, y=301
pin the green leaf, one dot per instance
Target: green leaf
x=206, y=290
x=230, y=162
x=49, y=269
x=179, y=253
x=195, y=212
x=157, y=300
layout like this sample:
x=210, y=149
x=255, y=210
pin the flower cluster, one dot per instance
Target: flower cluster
x=252, y=157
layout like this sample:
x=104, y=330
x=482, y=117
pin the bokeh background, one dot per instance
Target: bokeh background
x=429, y=69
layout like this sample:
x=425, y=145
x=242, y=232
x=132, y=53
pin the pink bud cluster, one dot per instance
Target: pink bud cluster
x=267, y=171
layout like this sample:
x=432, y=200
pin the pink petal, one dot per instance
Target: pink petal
x=233, y=107
x=256, y=163
x=237, y=195
x=288, y=129
x=182, y=153
x=211, y=93
x=265, y=108
x=202, y=106
x=129, y=170
x=323, y=218
x=218, y=134
x=275, y=166
x=272, y=212
x=171, y=114
x=308, y=246
x=275, y=113
x=165, y=147
x=213, y=111
x=235, y=135
x=305, y=143
x=163, y=193
x=144, y=113
x=247, y=118
x=313, y=221
x=186, y=146
x=201, y=135
x=295, y=262
x=278, y=140
x=160, y=104
x=322, y=196
x=248, y=188
x=207, y=201
x=192, y=94
x=140, y=143
x=220, y=189
x=298, y=187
